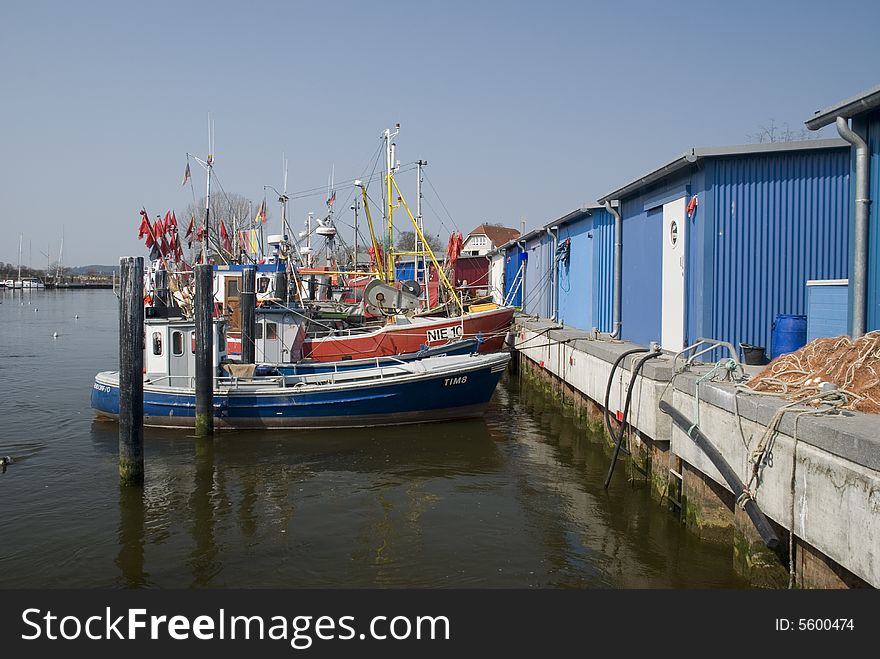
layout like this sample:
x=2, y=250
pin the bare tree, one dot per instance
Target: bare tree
x=406, y=242
x=773, y=132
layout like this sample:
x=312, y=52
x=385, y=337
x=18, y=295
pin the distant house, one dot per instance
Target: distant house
x=487, y=237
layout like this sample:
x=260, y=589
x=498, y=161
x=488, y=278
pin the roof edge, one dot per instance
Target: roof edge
x=863, y=102
x=695, y=154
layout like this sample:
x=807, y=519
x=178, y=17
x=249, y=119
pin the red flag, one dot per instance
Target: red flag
x=170, y=222
x=144, y=229
x=261, y=212
x=227, y=244
x=158, y=228
x=331, y=200
x=186, y=175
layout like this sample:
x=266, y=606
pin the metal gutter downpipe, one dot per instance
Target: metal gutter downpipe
x=555, y=274
x=618, y=268
x=860, y=230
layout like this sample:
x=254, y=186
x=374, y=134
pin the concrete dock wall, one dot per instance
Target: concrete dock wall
x=836, y=479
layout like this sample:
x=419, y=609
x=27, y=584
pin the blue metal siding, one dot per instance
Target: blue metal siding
x=536, y=293
x=642, y=268
x=511, y=268
x=873, y=130
x=575, y=288
x=826, y=310
x=603, y=270
x=778, y=221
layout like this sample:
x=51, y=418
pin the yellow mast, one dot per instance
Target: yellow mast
x=380, y=265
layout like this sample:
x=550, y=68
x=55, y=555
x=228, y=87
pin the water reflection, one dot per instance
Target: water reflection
x=130, y=559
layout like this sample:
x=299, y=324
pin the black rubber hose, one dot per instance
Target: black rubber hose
x=762, y=526
x=619, y=439
x=617, y=361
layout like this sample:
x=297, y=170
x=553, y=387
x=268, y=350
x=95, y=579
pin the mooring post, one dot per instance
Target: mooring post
x=248, y=314
x=131, y=370
x=204, y=313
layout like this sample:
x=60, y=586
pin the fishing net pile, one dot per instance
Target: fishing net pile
x=854, y=366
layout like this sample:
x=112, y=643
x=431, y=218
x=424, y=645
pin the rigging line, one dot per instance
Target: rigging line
x=441, y=201
x=316, y=192
x=437, y=215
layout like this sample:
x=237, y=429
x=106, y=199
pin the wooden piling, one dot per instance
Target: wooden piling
x=131, y=370
x=204, y=312
x=248, y=314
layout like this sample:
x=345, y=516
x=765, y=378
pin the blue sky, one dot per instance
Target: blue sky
x=523, y=110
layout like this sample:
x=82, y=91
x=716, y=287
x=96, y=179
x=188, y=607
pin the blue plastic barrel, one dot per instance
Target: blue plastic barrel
x=789, y=334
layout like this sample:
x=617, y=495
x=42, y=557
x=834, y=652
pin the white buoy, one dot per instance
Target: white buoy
x=55, y=335
x=76, y=317
x=35, y=310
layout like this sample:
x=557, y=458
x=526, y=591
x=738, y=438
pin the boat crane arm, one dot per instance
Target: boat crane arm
x=376, y=249
x=430, y=251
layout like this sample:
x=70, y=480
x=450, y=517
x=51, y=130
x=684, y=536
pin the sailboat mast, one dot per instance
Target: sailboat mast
x=60, y=270
x=19, y=258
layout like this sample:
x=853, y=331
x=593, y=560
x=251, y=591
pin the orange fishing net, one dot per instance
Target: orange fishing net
x=854, y=366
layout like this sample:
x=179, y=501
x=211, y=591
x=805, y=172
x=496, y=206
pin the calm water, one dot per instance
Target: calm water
x=514, y=500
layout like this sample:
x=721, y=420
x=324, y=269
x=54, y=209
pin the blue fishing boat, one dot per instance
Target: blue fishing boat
x=429, y=389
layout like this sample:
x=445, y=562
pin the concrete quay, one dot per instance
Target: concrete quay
x=829, y=495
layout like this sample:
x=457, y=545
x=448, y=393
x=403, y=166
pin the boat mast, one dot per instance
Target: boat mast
x=309, y=241
x=390, y=160
x=60, y=270
x=419, y=248
x=354, y=207
x=19, y=259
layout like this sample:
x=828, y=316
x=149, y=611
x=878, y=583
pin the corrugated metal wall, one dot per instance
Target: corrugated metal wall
x=778, y=220
x=536, y=292
x=603, y=270
x=642, y=252
x=575, y=287
x=512, y=261
x=873, y=134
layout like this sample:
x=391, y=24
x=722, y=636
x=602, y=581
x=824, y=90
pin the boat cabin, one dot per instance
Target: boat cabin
x=170, y=349
x=279, y=335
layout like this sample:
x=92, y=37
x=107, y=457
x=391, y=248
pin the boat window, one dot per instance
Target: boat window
x=157, y=343
x=263, y=285
x=271, y=331
x=258, y=331
x=192, y=340
x=177, y=343
x=232, y=288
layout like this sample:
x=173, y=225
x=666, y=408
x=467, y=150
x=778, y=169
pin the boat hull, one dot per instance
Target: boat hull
x=432, y=395
x=464, y=347
x=491, y=326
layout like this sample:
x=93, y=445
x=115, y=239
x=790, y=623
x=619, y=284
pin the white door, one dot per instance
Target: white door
x=673, y=303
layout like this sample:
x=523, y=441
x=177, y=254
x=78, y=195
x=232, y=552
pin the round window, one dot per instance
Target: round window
x=673, y=233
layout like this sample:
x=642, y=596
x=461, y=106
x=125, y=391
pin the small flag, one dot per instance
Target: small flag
x=186, y=175
x=190, y=229
x=224, y=236
x=144, y=229
x=692, y=206
x=331, y=200
x=261, y=212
